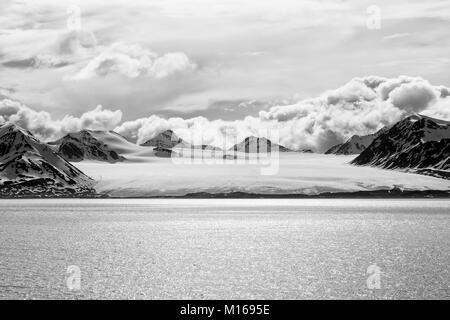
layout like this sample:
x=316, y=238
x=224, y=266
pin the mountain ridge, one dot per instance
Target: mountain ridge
x=165, y=140
x=30, y=167
x=416, y=142
x=356, y=144
x=84, y=145
x=253, y=144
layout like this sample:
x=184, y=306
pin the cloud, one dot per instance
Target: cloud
x=38, y=122
x=46, y=128
x=222, y=37
x=440, y=110
x=57, y=50
x=414, y=97
x=198, y=130
x=396, y=36
x=133, y=61
x=76, y=43
x=362, y=106
x=81, y=50
x=352, y=92
x=97, y=119
x=37, y=62
x=5, y=91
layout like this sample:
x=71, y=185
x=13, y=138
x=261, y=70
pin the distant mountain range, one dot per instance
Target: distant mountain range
x=258, y=145
x=356, y=144
x=417, y=142
x=31, y=168
x=167, y=140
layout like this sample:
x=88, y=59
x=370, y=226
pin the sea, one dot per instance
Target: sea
x=225, y=249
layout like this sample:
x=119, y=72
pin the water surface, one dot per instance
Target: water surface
x=224, y=249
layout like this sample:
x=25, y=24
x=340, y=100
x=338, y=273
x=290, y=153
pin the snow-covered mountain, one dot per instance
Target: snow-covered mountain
x=164, y=153
x=167, y=140
x=89, y=145
x=417, y=142
x=31, y=168
x=257, y=145
x=356, y=144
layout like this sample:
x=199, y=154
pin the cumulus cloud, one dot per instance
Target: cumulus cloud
x=133, y=61
x=87, y=59
x=440, y=110
x=362, y=106
x=414, y=97
x=46, y=128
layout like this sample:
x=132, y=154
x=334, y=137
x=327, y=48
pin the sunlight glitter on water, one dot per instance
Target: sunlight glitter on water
x=224, y=249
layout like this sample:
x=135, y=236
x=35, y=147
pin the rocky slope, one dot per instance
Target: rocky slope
x=166, y=140
x=356, y=144
x=87, y=145
x=29, y=168
x=257, y=145
x=417, y=142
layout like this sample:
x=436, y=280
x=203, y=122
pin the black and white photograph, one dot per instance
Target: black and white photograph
x=224, y=150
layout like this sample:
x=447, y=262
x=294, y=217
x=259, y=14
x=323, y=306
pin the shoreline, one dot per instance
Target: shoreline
x=375, y=194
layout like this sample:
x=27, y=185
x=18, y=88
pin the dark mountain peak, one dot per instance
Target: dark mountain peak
x=83, y=145
x=416, y=142
x=356, y=144
x=166, y=133
x=418, y=121
x=14, y=140
x=253, y=144
x=9, y=127
x=169, y=133
x=24, y=159
x=87, y=133
x=79, y=135
x=166, y=139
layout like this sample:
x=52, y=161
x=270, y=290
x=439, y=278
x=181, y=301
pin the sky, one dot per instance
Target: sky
x=111, y=64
